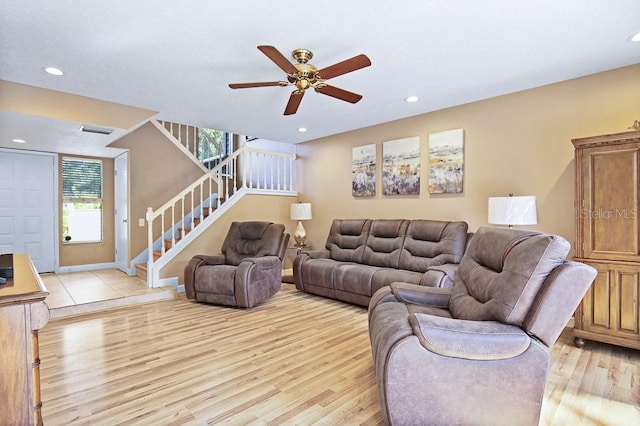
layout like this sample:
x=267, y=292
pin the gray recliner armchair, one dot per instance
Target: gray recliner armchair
x=247, y=272
x=476, y=353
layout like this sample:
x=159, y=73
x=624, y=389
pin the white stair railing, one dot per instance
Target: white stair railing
x=190, y=137
x=259, y=171
x=185, y=134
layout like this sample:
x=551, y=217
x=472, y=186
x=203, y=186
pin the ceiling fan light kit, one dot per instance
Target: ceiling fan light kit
x=304, y=75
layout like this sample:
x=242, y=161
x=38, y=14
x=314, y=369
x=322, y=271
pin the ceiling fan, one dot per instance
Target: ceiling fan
x=303, y=75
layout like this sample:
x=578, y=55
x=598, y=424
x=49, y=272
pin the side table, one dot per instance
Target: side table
x=287, y=274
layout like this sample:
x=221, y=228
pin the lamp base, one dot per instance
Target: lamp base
x=300, y=236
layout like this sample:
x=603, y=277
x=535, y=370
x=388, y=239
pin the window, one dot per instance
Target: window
x=81, y=200
x=213, y=146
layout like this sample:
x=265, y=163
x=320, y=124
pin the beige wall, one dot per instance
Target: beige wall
x=158, y=170
x=91, y=253
x=270, y=208
x=65, y=106
x=518, y=143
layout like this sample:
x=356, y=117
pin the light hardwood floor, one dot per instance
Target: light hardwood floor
x=296, y=359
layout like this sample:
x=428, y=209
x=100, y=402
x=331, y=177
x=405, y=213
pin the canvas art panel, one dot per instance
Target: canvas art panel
x=446, y=162
x=363, y=170
x=401, y=166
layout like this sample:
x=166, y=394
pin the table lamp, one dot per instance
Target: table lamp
x=513, y=210
x=300, y=212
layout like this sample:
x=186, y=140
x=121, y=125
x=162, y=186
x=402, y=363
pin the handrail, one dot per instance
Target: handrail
x=255, y=169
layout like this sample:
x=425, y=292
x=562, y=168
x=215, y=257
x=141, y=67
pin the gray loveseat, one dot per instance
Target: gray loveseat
x=363, y=255
x=478, y=352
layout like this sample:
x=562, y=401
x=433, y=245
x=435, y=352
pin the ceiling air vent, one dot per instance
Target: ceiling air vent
x=96, y=129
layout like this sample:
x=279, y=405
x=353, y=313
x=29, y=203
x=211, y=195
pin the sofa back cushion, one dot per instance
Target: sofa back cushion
x=431, y=242
x=347, y=239
x=384, y=243
x=252, y=239
x=502, y=272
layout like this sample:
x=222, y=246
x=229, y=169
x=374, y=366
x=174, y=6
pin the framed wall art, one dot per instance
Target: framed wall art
x=363, y=171
x=446, y=162
x=401, y=166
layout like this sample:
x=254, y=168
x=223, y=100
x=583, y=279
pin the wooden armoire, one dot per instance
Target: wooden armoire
x=607, y=173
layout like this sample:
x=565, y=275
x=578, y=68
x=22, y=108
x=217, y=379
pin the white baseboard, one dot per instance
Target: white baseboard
x=168, y=282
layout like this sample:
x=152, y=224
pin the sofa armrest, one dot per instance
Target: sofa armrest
x=474, y=340
x=317, y=254
x=421, y=295
x=440, y=275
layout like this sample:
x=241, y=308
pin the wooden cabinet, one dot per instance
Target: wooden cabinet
x=607, y=237
x=22, y=313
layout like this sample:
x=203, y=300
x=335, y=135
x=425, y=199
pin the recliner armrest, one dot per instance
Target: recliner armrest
x=217, y=259
x=475, y=340
x=440, y=275
x=421, y=295
x=264, y=262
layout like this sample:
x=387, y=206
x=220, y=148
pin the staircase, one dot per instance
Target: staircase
x=141, y=268
x=180, y=220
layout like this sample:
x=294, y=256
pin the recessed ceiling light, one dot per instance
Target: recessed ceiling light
x=412, y=99
x=18, y=140
x=53, y=71
x=636, y=37
x=302, y=129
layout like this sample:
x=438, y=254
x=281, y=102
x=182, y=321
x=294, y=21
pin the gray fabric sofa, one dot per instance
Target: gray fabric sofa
x=363, y=255
x=476, y=353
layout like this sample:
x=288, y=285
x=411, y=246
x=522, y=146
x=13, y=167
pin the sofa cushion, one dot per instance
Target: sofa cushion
x=385, y=276
x=319, y=272
x=431, y=242
x=384, y=243
x=502, y=272
x=354, y=278
x=347, y=239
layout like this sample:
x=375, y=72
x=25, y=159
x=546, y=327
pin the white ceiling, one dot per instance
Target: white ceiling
x=177, y=58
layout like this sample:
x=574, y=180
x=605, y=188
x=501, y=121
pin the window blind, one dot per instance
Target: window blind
x=81, y=179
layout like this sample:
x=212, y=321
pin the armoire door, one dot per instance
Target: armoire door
x=609, y=202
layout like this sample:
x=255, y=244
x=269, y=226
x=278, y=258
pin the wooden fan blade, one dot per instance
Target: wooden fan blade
x=279, y=59
x=294, y=102
x=348, y=65
x=259, y=84
x=338, y=93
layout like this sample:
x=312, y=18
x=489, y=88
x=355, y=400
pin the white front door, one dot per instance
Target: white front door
x=122, y=227
x=28, y=212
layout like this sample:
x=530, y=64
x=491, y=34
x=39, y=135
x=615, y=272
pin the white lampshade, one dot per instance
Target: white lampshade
x=301, y=211
x=513, y=210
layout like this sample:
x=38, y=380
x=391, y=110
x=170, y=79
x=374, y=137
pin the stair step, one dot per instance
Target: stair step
x=168, y=243
x=141, y=271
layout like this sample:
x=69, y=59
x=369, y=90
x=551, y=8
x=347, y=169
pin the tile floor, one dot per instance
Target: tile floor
x=75, y=293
